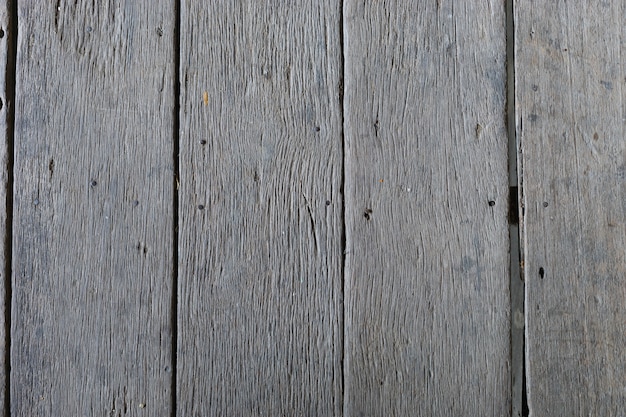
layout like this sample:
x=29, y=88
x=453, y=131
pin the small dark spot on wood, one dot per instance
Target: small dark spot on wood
x=89, y=29
x=607, y=84
x=541, y=273
x=535, y=87
x=596, y=136
x=135, y=203
x=203, y=142
x=564, y=49
x=492, y=203
x=94, y=183
x=367, y=213
x=545, y=204
x=201, y=207
x=1, y=33
x=159, y=32
x=257, y=178
x=479, y=130
x=328, y=202
x=51, y=167
x=142, y=248
x=317, y=128
x=266, y=72
x=533, y=117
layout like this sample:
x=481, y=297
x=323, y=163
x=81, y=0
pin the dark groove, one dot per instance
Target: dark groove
x=175, y=203
x=11, y=32
x=525, y=409
x=513, y=205
x=518, y=390
x=344, y=248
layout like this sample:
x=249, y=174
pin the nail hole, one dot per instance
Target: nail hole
x=328, y=202
x=317, y=128
x=203, y=142
x=135, y=203
x=492, y=203
x=201, y=207
x=541, y=272
x=545, y=204
x=94, y=183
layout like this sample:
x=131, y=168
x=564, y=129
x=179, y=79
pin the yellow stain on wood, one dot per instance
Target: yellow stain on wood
x=205, y=98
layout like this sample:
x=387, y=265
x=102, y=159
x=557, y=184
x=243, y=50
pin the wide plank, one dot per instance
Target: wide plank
x=570, y=92
x=427, y=267
x=93, y=209
x=260, y=266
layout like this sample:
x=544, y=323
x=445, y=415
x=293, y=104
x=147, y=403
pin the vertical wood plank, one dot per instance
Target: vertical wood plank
x=570, y=94
x=6, y=31
x=261, y=209
x=92, y=265
x=427, y=275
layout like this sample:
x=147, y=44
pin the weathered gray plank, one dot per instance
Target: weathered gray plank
x=260, y=209
x=427, y=275
x=6, y=31
x=92, y=265
x=570, y=92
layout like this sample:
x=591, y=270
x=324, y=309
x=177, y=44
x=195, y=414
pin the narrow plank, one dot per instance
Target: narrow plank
x=6, y=33
x=92, y=266
x=570, y=94
x=261, y=209
x=427, y=273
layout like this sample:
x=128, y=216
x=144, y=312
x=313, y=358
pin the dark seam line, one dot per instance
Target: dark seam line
x=343, y=208
x=515, y=190
x=10, y=78
x=175, y=203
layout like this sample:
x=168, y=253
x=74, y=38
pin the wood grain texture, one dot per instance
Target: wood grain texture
x=5, y=92
x=92, y=266
x=570, y=95
x=260, y=209
x=427, y=275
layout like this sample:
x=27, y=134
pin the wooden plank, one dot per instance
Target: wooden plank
x=427, y=274
x=93, y=212
x=7, y=33
x=570, y=93
x=260, y=209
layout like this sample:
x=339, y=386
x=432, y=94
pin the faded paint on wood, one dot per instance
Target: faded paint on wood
x=260, y=267
x=427, y=275
x=92, y=266
x=570, y=94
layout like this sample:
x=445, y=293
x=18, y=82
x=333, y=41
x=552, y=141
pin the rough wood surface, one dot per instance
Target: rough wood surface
x=5, y=131
x=92, y=264
x=260, y=209
x=570, y=94
x=427, y=276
